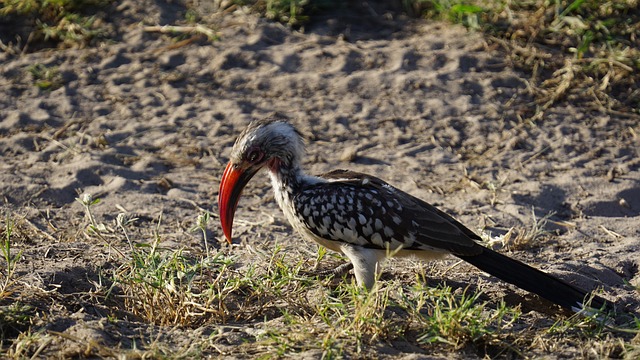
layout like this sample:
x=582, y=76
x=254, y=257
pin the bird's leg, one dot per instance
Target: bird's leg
x=366, y=263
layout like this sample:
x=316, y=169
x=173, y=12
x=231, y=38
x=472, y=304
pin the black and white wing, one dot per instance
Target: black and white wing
x=363, y=210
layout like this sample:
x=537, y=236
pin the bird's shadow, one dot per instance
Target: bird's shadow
x=550, y=200
x=625, y=204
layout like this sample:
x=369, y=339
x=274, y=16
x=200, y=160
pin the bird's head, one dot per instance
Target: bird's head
x=274, y=144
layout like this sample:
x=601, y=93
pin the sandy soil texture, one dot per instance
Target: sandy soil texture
x=145, y=123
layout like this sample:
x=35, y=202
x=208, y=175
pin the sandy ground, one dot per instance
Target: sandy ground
x=147, y=126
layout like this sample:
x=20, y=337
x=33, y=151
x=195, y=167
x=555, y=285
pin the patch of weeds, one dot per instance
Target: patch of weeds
x=28, y=344
x=348, y=320
x=290, y=12
x=521, y=238
x=14, y=318
x=265, y=290
x=593, y=332
x=577, y=50
x=456, y=320
x=169, y=288
x=162, y=286
x=591, y=325
x=61, y=21
x=340, y=322
x=287, y=11
x=357, y=315
x=458, y=11
x=281, y=276
x=527, y=238
x=172, y=287
x=45, y=78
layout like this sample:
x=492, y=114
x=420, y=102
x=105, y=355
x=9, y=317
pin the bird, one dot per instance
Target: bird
x=368, y=220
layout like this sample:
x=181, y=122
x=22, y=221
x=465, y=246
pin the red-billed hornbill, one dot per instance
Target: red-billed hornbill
x=365, y=218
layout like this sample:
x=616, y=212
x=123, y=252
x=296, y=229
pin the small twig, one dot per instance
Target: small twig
x=536, y=155
x=566, y=224
x=42, y=346
x=121, y=221
x=611, y=233
x=611, y=62
x=56, y=135
x=445, y=271
x=26, y=45
x=195, y=205
x=198, y=29
x=178, y=44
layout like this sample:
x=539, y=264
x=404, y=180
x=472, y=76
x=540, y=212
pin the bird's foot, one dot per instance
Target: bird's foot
x=337, y=271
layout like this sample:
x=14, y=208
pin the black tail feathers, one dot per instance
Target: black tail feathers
x=536, y=281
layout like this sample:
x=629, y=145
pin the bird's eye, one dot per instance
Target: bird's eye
x=254, y=155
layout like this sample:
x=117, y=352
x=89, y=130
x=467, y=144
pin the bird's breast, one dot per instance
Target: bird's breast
x=285, y=200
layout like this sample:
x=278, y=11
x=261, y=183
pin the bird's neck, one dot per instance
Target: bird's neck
x=288, y=183
x=286, y=177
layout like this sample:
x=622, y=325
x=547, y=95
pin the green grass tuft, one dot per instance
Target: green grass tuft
x=62, y=22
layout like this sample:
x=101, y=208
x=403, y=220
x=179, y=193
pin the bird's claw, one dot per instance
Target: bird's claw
x=337, y=271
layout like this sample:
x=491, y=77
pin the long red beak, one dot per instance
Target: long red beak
x=234, y=179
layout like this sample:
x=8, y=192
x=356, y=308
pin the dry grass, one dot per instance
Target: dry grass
x=278, y=310
x=524, y=237
x=588, y=49
x=65, y=23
